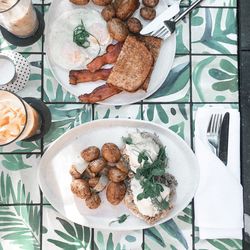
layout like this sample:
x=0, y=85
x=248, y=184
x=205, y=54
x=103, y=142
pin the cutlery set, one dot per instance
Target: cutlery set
x=217, y=135
x=163, y=28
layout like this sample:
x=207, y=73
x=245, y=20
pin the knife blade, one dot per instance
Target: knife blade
x=157, y=23
x=223, y=144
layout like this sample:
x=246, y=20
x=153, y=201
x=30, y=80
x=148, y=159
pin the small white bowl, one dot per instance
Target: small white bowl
x=7, y=70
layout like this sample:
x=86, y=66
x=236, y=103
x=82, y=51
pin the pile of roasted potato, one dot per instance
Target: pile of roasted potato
x=118, y=14
x=106, y=168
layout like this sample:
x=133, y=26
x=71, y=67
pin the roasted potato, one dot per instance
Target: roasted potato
x=110, y=152
x=150, y=3
x=115, y=192
x=117, y=29
x=134, y=25
x=108, y=12
x=80, y=2
x=102, y=2
x=121, y=165
x=97, y=165
x=93, y=201
x=74, y=173
x=148, y=13
x=80, y=188
x=125, y=8
x=116, y=175
x=93, y=181
x=90, y=153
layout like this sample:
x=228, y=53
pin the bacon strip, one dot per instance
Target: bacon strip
x=81, y=76
x=99, y=94
x=110, y=47
x=107, y=58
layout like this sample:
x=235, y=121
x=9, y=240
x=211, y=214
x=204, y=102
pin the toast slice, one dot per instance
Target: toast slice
x=154, y=45
x=132, y=66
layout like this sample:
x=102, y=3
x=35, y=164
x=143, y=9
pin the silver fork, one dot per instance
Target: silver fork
x=213, y=132
x=169, y=25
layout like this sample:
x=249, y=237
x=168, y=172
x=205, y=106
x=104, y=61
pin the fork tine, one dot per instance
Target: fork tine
x=164, y=34
x=210, y=124
x=220, y=122
x=157, y=32
x=214, y=123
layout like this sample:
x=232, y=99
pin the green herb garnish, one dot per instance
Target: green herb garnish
x=120, y=219
x=80, y=36
x=148, y=175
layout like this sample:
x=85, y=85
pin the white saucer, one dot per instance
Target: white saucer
x=22, y=72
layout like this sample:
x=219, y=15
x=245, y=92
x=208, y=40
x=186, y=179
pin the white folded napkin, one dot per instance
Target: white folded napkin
x=218, y=201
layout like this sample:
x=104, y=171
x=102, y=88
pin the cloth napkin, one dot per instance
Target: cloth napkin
x=218, y=202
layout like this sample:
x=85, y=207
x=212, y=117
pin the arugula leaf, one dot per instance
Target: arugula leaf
x=149, y=174
x=120, y=219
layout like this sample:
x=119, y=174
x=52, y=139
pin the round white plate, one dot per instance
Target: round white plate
x=54, y=178
x=159, y=74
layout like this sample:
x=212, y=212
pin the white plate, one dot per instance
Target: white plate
x=160, y=72
x=54, y=178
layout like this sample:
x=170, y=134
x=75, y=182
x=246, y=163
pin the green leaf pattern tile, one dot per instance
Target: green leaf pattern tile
x=215, y=32
x=215, y=78
x=18, y=178
x=176, y=87
x=63, y=234
x=66, y=117
x=105, y=240
x=53, y=91
x=173, y=116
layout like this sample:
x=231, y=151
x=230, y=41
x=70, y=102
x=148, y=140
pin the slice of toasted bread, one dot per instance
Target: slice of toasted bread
x=154, y=45
x=132, y=66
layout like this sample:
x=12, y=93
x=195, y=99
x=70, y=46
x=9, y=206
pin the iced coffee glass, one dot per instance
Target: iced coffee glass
x=18, y=120
x=18, y=17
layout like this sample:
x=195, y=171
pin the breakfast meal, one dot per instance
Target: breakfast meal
x=131, y=70
x=105, y=45
x=136, y=174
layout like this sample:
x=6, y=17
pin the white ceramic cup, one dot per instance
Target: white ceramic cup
x=7, y=70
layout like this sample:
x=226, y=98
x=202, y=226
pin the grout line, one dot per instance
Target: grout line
x=146, y=102
x=204, y=54
x=20, y=204
x=31, y=53
x=92, y=244
x=143, y=230
x=20, y=153
x=42, y=139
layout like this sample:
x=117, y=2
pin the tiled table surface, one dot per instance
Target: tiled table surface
x=205, y=73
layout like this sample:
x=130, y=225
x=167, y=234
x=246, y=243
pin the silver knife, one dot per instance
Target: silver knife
x=169, y=13
x=223, y=143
